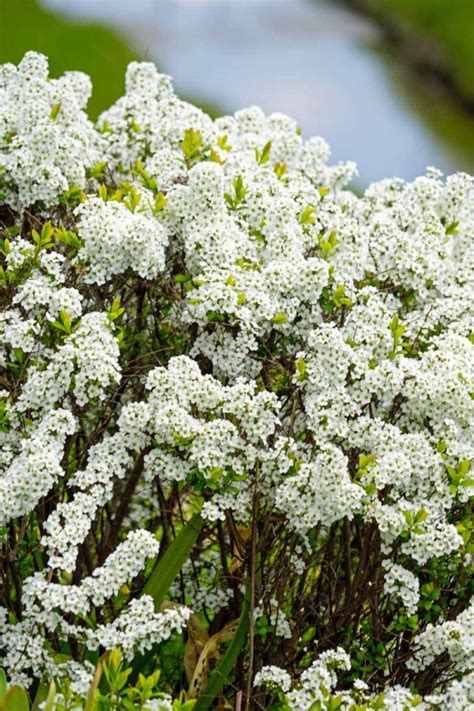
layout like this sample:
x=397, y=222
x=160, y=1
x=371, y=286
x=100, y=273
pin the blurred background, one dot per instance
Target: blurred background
x=389, y=83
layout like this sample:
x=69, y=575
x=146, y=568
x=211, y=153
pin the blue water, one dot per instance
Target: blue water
x=309, y=59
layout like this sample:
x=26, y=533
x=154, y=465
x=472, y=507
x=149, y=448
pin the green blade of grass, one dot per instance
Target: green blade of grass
x=169, y=565
x=219, y=675
x=163, y=575
x=16, y=699
x=3, y=684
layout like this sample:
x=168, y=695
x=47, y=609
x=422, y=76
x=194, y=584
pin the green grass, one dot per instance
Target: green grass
x=449, y=24
x=88, y=47
x=84, y=46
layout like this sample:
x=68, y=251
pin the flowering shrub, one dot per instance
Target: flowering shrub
x=236, y=411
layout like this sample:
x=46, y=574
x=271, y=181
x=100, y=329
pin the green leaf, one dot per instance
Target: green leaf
x=182, y=278
x=97, y=171
x=328, y=244
x=380, y=701
x=240, y=191
x=68, y=238
x=132, y=200
x=307, y=216
x=47, y=233
x=421, y=516
x=215, y=157
x=40, y=698
x=74, y=195
x=6, y=249
x=370, y=488
x=263, y=156
x=280, y=318
x=134, y=126
x=66, y=320
x=215, y=316
x=397, y=329
x=280, y=171
x=452, y=228
x=191, y=144
x=219, y=675
x=160, y=202
x=169, y=565
x=16, y=699
x=464, y=466
x=103, y=192
x=3, y=684
x=64, y=323
x=146, y=180
x=105, y=128
x=55, y=111
x=340, y=298
x=366, y=462
x=91, y=698
x=223, y=144
x=115, y=310
x=301, y=368
x=49, y=706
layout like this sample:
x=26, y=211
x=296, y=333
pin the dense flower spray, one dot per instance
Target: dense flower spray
x=199, y=316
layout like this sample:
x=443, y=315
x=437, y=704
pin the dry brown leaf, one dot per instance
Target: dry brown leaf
x=197, y=638
x=209, y=652
x=244, y=534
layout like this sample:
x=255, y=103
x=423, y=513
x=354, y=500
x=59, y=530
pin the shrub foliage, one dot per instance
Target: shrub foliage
x=236, y=413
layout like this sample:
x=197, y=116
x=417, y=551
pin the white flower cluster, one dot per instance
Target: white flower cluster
x=456, y=637
x=69, y=523
x=123, y=564
x=201, y=580
x=400, y=582
x=139, y=627
x=321, y=491
x=36, y=467
x=38, y=297
x=273, y=676
x=318, y=680
x=200, y=425
x=116, y=239
x=86, y=365
x=279, y=620
x=317, y=689
x=49, y=605
x=46, y=138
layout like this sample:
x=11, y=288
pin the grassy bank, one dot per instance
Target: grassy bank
x=437, y=36
x=88, y=47
x=71, y=44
